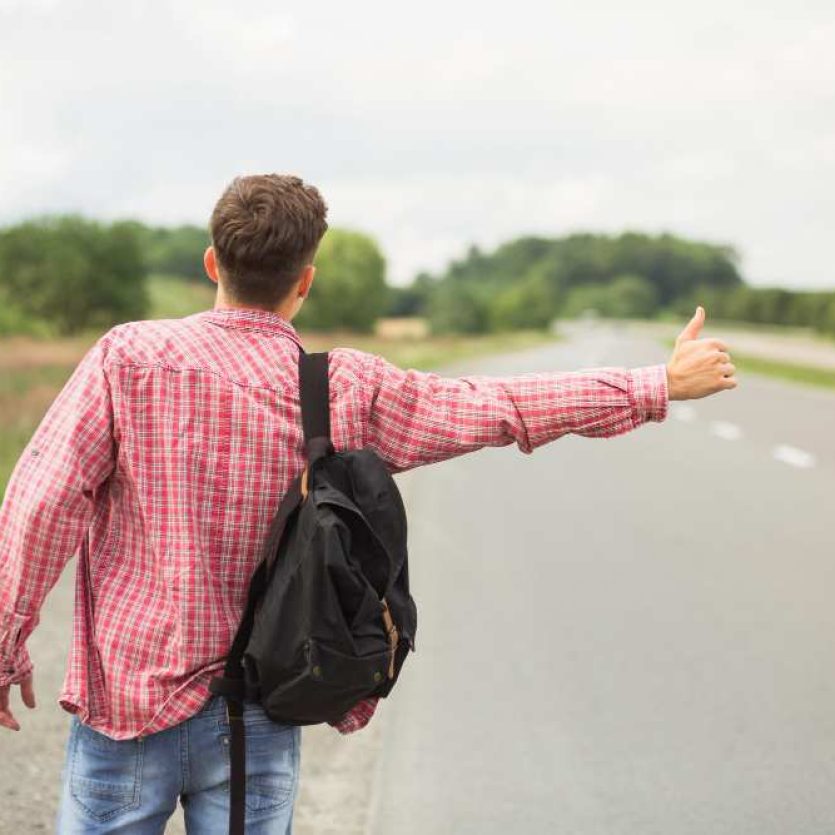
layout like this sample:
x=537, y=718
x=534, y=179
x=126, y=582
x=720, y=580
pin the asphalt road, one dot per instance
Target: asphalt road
x=624, y=636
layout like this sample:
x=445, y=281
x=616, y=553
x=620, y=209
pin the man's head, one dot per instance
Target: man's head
x=265, y=231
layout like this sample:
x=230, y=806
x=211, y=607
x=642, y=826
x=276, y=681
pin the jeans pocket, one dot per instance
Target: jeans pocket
x=268, y=792
x=105, y=773
x=272, y=760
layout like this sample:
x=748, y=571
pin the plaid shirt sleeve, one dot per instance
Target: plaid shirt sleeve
x=418, y=417
x=48, y=504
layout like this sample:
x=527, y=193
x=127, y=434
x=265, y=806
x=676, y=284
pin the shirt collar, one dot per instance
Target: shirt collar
x=250, y=317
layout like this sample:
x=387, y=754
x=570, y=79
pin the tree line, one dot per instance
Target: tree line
x=531, y=281
x=65, y=274
x=75, y=273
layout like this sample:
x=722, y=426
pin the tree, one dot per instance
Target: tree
x=458, y=308
x=581, y=299
x=528, y=303
x=350, y=289
x=631, y=297
x=662, y=270
x=827, y=322
x=178, y=251
x=412, y=300
x=74, y=273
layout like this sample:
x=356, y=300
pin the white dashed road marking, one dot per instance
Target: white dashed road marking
x=726, y=431
x=793, y=456
x=684, y=413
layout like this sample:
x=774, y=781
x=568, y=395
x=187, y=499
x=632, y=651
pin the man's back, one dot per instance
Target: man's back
x=174, y=442
x=208, y=438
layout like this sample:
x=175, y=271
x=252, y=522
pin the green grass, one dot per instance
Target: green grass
x=173, y=298
x=806, y=374
x=17, y=382
x=12, y=441
x=25, y=395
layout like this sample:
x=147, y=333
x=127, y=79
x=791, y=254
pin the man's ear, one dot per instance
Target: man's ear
x=307, y=280
x=210, y=263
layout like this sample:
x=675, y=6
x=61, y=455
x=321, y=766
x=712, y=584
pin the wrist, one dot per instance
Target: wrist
x=672, y=387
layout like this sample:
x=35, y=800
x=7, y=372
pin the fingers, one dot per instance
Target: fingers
x=711, y=343
x=27, y=692
x=703, y=365
x=7, y=720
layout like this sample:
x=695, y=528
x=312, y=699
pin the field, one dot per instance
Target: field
x=32, y=372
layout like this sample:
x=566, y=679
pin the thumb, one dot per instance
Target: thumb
x=694, y=326
x=27, y=691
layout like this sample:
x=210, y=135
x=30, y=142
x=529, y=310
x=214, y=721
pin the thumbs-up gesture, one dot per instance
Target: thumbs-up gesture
x=698, y=367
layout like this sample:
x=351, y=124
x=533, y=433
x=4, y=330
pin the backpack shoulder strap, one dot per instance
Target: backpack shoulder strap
x=314, y=396
x=314, y=393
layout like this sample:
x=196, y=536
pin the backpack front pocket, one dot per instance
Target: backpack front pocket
x=332, y=683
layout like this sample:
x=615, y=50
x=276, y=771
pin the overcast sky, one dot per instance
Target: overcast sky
x=437, y=124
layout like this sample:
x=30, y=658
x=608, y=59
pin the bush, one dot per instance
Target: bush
x=350, y=289
x=527, y=304
x=627, y=297
x=641, y=273
x=458, y=308
x=15, y=322
x=73, y=273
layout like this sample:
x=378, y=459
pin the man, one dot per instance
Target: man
x=161, y=463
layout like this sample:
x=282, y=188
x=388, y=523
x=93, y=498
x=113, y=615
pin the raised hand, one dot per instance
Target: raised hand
x=698, y=366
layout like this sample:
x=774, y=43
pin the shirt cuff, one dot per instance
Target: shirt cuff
x=648, y=389
x=357, y=717
x=15, y=669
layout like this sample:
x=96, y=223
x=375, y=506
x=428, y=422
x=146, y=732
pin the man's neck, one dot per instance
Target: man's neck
x=222, y=302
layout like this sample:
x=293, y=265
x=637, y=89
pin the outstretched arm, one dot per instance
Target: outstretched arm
x=418, y=417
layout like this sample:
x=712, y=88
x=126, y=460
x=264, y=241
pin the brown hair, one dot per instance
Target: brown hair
x=265, y=228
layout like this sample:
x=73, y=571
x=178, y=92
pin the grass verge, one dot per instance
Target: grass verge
x=807, y=374
x=173, y=297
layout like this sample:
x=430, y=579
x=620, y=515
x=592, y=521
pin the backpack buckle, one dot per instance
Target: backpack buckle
x=391, y=631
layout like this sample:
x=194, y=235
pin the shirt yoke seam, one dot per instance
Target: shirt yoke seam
x=218, y=374
x=268, y=331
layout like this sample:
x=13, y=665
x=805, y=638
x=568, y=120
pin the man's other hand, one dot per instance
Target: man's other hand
x=27, y=693
x=698, y=367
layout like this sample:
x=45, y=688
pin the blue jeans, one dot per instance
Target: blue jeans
x=132, y=786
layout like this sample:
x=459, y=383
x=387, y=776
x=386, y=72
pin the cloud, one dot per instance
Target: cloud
x=435, y=127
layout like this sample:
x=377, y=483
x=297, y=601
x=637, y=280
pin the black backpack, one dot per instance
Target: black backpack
x=329, y=619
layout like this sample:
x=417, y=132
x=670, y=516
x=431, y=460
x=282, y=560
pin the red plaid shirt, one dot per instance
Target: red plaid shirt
x=170, y=448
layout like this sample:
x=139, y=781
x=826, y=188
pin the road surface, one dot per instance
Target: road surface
x=625, y=636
